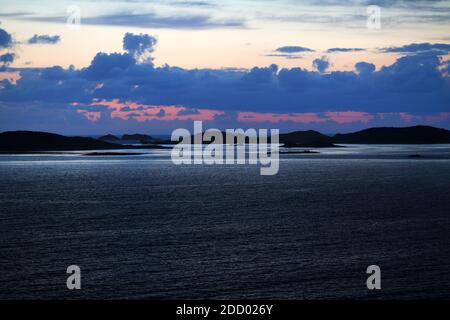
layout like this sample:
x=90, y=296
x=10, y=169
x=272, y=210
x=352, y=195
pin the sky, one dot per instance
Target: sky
x=102, y=66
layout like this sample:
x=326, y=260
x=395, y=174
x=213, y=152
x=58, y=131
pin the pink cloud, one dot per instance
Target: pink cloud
x=277, y=117
x=93, y=116
x=309, y=117
x=407, y=117
x=12, y=77
x=433, y=118
x=438, y=117
x=349, y=116
x=142, y=112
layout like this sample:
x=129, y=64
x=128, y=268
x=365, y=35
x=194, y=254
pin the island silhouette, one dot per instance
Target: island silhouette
x=22, y=141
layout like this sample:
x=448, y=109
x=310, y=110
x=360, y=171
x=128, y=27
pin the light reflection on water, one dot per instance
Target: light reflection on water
x=437, y=151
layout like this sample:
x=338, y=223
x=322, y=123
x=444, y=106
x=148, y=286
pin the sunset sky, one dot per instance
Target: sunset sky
x=153, y=66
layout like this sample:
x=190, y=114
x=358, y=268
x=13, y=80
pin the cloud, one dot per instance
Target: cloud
x=332, y=50
x=116, y=87
x=105, y=66
x=419, y=47
x=6, y=60
x=381, y=3
x=400, y=3
x=44, y=39
x=140, y=46
x=188, y=112
x=161, y=113
x=364, y=68
x=193, y=4
x=56, y=73
x=127, y=110
x=6, y=40
x=14, y=14
x=352, y=13
x=7, y=57
x=413, y=83
x=149, y=20
x=286, y=56
x=293, y=49
x=309, y=117
x=260, y=75
x=289, y=52
x=321, y=64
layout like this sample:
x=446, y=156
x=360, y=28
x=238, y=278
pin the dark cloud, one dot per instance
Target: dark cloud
x=293, y=49
x=188, y=112
x=55, y=73
x=289, y=52
x=419, y=47
x=5, y=61
x=140, y=46
x=161, y=113
x=6, y=40
x=321, y=64
x=149, y=20
x=332, y=50
x=44, y=39
x=105, y=65
x=286, y=56
x=7, y=58
x=364, y=68
x=412, y=83
x=260, y=75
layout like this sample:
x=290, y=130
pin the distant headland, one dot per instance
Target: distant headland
x=22, y=141
x=386, y=135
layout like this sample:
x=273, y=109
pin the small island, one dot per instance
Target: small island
x=306, y=139
x=93, y=154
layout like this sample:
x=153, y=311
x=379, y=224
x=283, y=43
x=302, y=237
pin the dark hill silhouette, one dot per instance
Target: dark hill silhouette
x=306, y=139
x=143, y=138
x=109, y=137
x=32, y=141
x=385, y=135
x=406, y=135
x=43, y=141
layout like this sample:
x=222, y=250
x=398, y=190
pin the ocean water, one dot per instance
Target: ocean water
x=140, y=227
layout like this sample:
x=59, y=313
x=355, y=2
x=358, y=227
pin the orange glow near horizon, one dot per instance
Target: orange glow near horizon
x=12, y=77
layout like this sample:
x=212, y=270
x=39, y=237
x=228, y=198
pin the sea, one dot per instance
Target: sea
x=140, y=227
